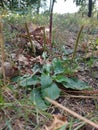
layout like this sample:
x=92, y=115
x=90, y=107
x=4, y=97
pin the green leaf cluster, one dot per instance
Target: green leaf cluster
x=46, y=82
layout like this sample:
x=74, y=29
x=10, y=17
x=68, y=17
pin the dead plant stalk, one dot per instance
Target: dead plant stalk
x=72, y=113
x=2, y=48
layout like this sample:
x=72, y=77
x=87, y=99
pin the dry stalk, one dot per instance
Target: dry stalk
x=86, y=92
x=77, y=42
x=2, y=49
x=30, y=40
x=72, y=113
x=82, y=96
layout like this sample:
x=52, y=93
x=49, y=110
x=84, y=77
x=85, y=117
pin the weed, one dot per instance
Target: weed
x=26, y=98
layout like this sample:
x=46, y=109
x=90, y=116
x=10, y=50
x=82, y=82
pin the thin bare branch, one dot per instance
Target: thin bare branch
x=72, y=113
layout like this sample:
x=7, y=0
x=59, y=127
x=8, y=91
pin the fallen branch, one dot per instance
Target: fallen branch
x=72, y=113
x=85, y=97
x=86, y=92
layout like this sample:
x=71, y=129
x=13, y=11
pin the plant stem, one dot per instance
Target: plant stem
x=72, y=113
x=30, y=40
x=2, y=49
x=77, y=42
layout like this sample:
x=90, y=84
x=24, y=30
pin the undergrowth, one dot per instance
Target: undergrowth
x=22, y=100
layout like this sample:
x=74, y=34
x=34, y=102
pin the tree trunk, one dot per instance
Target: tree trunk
x=90, y=8
x=51, y=17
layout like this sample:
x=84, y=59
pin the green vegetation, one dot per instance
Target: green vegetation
x=65, y=71
x=49, y=76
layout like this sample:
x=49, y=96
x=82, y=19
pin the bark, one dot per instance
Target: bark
x=51, y=20
x=90, y=8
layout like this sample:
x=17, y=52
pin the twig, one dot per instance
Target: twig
x=72, y=113
x=86, y=92
x=86, y=97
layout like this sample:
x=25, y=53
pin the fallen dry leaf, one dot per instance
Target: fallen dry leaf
x=19, y=125
x=94, y=54
x=58, y=122
x=22, y=60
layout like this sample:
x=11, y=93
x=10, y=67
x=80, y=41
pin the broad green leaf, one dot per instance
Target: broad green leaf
x=47, y=68
x=37, y=68
x=60, y=78
x=31, y=80
x=37, y=100
x=72, y=83
x=16, y=79
x=52, y=91
x=20, y=78
x=58, y=66
x=46, y=80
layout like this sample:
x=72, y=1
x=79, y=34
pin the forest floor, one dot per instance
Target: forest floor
x=17, y=112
